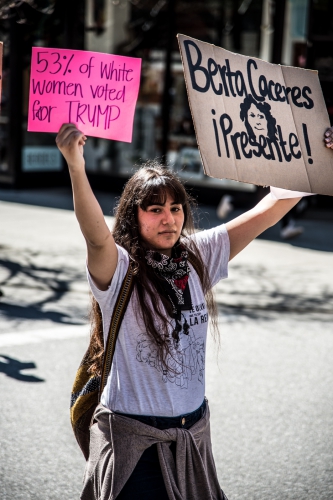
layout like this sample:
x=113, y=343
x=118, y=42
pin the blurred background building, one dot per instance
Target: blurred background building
x=291, y=32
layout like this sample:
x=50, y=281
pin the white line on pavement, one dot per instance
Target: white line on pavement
x=35, y=336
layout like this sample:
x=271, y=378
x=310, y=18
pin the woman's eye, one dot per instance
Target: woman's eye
x=252, y=115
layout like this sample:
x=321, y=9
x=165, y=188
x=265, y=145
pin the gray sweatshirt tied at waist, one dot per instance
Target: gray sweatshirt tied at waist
x=117, y=443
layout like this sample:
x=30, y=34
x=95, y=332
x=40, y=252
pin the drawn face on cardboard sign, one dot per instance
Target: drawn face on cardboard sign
x=257, y=121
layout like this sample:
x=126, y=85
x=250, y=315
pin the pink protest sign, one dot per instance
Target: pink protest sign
x=96, y=91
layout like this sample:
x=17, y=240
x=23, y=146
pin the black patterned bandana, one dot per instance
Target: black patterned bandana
x=173, y=273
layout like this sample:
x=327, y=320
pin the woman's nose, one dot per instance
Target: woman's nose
x=168, y=217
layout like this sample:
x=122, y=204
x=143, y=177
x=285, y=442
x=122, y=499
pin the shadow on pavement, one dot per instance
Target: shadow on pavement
x=47, y=278
x=54, y=282
x=13, y=367
x=9, y=311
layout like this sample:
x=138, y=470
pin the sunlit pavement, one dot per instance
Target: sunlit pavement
x=268, y=384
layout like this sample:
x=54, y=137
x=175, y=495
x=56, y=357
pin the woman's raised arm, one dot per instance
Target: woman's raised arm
x=101, y=249
x=243, y=229
x=268, y=212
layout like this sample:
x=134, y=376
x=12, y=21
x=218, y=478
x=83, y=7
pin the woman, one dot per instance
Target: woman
x=151, y=434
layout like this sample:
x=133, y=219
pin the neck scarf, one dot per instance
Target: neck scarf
x=173, y=273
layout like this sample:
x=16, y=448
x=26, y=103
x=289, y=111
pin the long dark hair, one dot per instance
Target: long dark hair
x=149, y=185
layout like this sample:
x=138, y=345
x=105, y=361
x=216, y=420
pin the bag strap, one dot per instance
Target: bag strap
x=117, y=317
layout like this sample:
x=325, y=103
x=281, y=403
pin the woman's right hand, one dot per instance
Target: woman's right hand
x=70, y=142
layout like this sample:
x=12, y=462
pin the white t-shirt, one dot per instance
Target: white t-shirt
x=138, y=384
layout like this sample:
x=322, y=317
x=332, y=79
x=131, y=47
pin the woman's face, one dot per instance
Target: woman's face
x=160, y=225
x=257, y=121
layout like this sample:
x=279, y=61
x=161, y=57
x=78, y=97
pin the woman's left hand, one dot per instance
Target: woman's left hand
x=328, y=138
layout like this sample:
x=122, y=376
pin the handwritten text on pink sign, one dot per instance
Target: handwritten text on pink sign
x=96, y=91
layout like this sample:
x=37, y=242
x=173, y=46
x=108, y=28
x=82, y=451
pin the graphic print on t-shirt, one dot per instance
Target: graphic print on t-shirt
x=186, y=358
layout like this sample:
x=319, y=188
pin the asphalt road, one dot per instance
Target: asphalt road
x=269, y=383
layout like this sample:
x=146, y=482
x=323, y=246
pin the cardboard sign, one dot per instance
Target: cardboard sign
x=257, y=122
x=96, y=91
x=1, y=54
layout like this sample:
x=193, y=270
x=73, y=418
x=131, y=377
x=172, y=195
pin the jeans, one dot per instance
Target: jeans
x=146, y=481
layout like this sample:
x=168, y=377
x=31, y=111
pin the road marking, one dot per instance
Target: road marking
x=36, y=336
